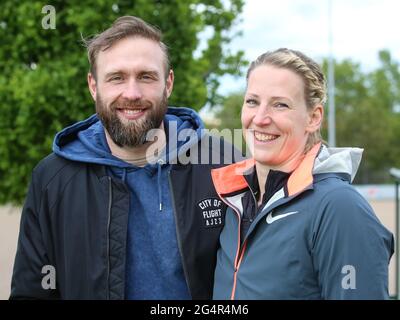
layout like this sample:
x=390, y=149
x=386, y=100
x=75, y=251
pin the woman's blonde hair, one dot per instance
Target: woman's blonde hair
x=308, y=70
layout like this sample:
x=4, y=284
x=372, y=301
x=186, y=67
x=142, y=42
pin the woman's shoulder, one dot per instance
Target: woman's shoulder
x=336, y=188
x=335, y=199
x=340, y=211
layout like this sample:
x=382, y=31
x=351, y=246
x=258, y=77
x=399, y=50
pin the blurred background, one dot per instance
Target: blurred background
x=43, y=69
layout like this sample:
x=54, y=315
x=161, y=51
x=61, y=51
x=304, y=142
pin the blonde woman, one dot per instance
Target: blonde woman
x=295, y=227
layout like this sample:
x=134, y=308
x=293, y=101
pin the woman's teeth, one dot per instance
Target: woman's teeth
x=264, y=137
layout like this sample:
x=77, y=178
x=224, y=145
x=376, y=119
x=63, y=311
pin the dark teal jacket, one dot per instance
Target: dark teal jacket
x=316, y=238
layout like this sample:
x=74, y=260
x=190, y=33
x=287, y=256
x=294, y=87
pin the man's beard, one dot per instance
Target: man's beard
x=133, y=133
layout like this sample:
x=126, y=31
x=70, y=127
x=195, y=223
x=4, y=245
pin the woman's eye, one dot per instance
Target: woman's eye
x=281, y=105
x=251, y=102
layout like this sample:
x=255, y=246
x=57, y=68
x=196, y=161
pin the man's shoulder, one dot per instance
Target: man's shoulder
x=51, y=163
x=55, y=167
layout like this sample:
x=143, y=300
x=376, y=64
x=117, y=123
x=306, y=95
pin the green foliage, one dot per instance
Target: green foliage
x=228, y=120
x=43, y=71
x=367, y=115
x=230, y=112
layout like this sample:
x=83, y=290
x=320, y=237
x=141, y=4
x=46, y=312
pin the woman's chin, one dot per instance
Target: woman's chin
x=265, y=160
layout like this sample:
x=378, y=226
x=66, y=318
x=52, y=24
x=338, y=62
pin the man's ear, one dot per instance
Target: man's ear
x=315, y=118
x=92, y=85
x=170, y=82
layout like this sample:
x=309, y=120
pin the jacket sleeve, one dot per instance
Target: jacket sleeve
x=32, y=269
x=351, y=249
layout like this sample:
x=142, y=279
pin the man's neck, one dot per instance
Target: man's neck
x=139, y=156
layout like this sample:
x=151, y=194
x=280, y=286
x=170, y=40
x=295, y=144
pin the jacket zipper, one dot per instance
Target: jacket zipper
x=178, y=236
x=108, y=236
x=241, y=248
x=237, y=266
x=256, y=208
x=239, y=251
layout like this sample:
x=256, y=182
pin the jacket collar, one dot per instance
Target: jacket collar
x=230, y=179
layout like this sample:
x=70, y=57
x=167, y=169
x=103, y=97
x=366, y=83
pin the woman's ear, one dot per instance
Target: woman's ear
x=315, y=118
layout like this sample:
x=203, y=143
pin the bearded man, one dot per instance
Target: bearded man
x=119, y=210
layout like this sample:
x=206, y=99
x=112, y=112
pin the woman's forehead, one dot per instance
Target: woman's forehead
x=275, y=81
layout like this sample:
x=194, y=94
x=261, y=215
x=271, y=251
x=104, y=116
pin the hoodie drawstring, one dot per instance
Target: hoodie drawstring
x=159, y=163
x=124, y=174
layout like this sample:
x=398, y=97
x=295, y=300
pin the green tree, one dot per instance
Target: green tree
x=229, y=112
x=366, y=116
x=43, y=71
x=228, y=120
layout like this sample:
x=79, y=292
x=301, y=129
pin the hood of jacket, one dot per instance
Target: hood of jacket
x=85, y=141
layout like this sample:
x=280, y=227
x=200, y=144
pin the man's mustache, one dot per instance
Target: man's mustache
x=131, y=104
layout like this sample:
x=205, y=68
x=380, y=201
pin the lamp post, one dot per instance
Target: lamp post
x=396, y=174
x=331, y=83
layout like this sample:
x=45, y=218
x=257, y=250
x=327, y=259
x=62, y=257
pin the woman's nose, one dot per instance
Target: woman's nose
x=262, y=117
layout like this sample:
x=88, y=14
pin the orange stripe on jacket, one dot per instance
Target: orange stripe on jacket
x=302, y=176
x=230, y=178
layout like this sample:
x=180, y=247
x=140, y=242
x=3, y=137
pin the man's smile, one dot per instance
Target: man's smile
x=131, y=114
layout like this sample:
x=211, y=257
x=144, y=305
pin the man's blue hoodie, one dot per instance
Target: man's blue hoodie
x=153, y=262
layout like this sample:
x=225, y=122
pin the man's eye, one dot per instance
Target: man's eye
x=116, y=78
x=146, y=77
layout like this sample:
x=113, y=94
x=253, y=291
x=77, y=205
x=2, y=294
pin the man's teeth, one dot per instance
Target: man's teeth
x=264, y=137
x=131, y=112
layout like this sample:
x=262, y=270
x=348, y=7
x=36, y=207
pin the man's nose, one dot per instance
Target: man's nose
x=132, y=90
x=263, y=116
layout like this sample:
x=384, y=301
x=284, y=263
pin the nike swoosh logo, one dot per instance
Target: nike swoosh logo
x=271, y=219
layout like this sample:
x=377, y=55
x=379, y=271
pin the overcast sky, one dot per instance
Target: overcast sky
x=360, y=29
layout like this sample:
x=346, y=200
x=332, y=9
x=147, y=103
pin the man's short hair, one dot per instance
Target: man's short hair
x=124, y=27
